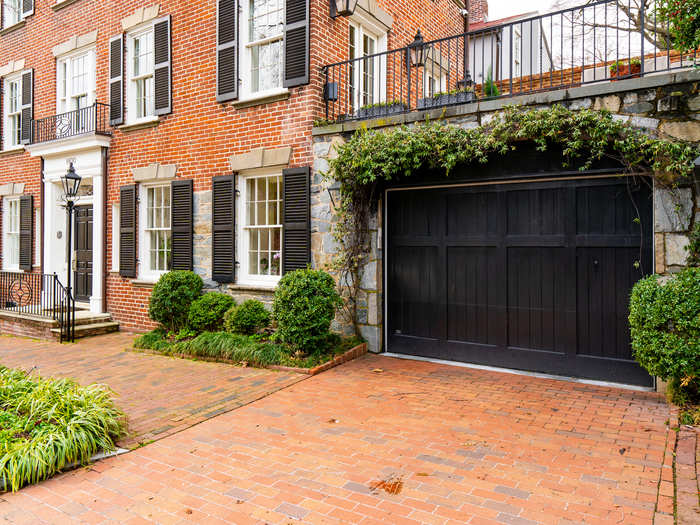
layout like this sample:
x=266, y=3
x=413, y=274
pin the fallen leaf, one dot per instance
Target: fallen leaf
x=377, y=370
x=333, y=421
x=422, y=474
x=188, y=511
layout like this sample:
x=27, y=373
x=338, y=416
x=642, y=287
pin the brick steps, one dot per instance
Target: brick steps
x=91, y=328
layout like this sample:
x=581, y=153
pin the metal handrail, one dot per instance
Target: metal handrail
x=41, y=296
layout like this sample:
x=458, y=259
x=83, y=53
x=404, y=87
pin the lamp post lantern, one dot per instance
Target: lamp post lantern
x=71, y=185
x=467, y=81
x=417, y=50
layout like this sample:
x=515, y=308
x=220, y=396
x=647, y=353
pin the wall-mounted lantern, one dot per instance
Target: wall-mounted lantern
x=417, y=50
x=342, y=7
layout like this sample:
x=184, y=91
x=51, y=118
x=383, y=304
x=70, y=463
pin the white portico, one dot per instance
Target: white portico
x=87, y=152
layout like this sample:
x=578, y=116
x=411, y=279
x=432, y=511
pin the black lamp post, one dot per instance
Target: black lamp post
x=467, y=81
x=342, y=7
x=71, y=185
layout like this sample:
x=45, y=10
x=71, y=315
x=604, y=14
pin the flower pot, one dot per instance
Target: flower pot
x=624, y=71
x=446, y=99
x=381, y=111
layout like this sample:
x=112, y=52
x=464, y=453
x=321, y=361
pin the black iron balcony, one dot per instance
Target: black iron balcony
x=91, y=119
x=601, y=41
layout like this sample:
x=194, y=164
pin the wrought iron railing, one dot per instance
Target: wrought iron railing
x=39, y=295
x=90, y=119
x=598, y=42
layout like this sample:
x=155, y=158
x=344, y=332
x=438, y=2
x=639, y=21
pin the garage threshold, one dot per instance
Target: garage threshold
x=521, y=372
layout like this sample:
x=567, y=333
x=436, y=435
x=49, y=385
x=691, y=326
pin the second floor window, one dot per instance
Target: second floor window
x=13, y=112
x=263, y=48
x=76, y=82
x=140, y=63
x=11, y=12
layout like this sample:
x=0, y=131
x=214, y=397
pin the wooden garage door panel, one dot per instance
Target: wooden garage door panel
x=533, y=276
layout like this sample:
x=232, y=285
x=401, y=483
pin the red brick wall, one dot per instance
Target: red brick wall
x=200, y=134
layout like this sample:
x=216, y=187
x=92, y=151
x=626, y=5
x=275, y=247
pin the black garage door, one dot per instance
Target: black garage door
x=533, y=276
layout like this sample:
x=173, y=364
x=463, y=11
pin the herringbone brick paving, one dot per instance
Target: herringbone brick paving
x=382, y=440
x=160, y=395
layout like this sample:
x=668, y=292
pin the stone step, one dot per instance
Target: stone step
x=86, y=330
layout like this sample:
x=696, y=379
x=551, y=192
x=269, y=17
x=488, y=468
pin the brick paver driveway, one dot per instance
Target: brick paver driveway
x=160, y=395
x=454, y=445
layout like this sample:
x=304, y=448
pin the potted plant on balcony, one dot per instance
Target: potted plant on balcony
x=631, y=68
x=446, y=98
x=381, y=109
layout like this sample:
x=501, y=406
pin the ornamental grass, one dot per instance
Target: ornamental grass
x=48, y=425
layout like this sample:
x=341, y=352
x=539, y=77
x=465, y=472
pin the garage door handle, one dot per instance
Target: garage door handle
x=595, y=262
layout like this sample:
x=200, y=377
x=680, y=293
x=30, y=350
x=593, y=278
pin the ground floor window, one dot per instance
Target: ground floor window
x=156, y=246
x=10, y=239
x=260, y=228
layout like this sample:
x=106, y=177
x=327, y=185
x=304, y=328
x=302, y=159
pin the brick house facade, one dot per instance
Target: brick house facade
x=187, y=103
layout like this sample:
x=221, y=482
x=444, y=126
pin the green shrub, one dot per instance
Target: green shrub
x=693, y=247
x=248, y=318
x=665, y=327
x=490, y=87
x=304, y=307
x=48, y=424
x=207, y=312
x=683, y=20
x=153, y=340
x=234, y=347
x=171, y=298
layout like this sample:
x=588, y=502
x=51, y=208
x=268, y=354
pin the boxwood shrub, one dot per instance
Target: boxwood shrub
x=304, y=307
x=171, y=298
x=248, y=318
x=665, y=327
x=207, y=312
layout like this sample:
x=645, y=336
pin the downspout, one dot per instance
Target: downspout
x=105, y=180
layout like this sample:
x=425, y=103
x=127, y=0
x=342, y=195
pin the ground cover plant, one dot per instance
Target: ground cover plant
x=47, y=425
x=297, y=334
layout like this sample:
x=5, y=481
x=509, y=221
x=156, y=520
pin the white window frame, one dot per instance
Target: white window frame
x=517, y=59
x=7, y=248
x=66, y=95
x=243, y=229
x=246, y=56
x=115, y=237
x=8, y=132
x=145, y=272
x=435, y=70
x=7, y=8
x=366, y=26
x=131, y=104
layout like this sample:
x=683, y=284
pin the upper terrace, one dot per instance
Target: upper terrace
x=596, y=43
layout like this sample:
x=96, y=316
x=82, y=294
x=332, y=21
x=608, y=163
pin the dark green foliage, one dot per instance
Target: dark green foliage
x=48, y=424
x=304, y=307
x=207, y=312
x=694, y=246
x=248, y=318
x=171, y=298
x=665, y=326
x=490, y=87
x=683, y=17
x=154, y=340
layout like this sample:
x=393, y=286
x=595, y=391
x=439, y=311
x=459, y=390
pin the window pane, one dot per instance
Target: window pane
x=261, y=213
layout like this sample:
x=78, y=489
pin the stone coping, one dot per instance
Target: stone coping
x=542, y=98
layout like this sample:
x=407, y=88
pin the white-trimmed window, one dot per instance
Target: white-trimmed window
x=367, y=83
x=13, y=112
x=140, y=64
x=517, y=59
x=262, y=42
x=260, y=228
x=76, y=81
x=11, y=12
x=156, y=245
x=10, y=233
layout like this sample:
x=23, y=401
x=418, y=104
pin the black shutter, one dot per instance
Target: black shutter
x=223, y=220
x=1, y=113
x=227, y=50
x=27, y=8
x=296, y=231
x=26, y=232
x=163, y=67
x=181, y=224
x=27, y=106
x=296, y=43
x=127, y=231
x=116, y=80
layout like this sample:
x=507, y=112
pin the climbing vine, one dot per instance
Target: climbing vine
x=372, y=158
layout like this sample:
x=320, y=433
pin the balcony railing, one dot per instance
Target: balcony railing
x=90, y=119
x=39, y=295
x=598, y=42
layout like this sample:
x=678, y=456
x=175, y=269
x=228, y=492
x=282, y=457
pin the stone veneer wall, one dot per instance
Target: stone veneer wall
x=666, y=106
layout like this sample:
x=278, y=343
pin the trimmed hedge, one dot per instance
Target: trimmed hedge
x=171, y=298
x=248, y=318
x=665, y=326
x=207, y=312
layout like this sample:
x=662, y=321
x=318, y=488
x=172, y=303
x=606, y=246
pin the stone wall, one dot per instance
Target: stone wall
x=665, y=106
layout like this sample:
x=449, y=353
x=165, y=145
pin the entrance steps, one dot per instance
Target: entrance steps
x=89, y=324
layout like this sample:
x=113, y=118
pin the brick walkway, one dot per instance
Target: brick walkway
x=454, y=445
x=160, y=395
